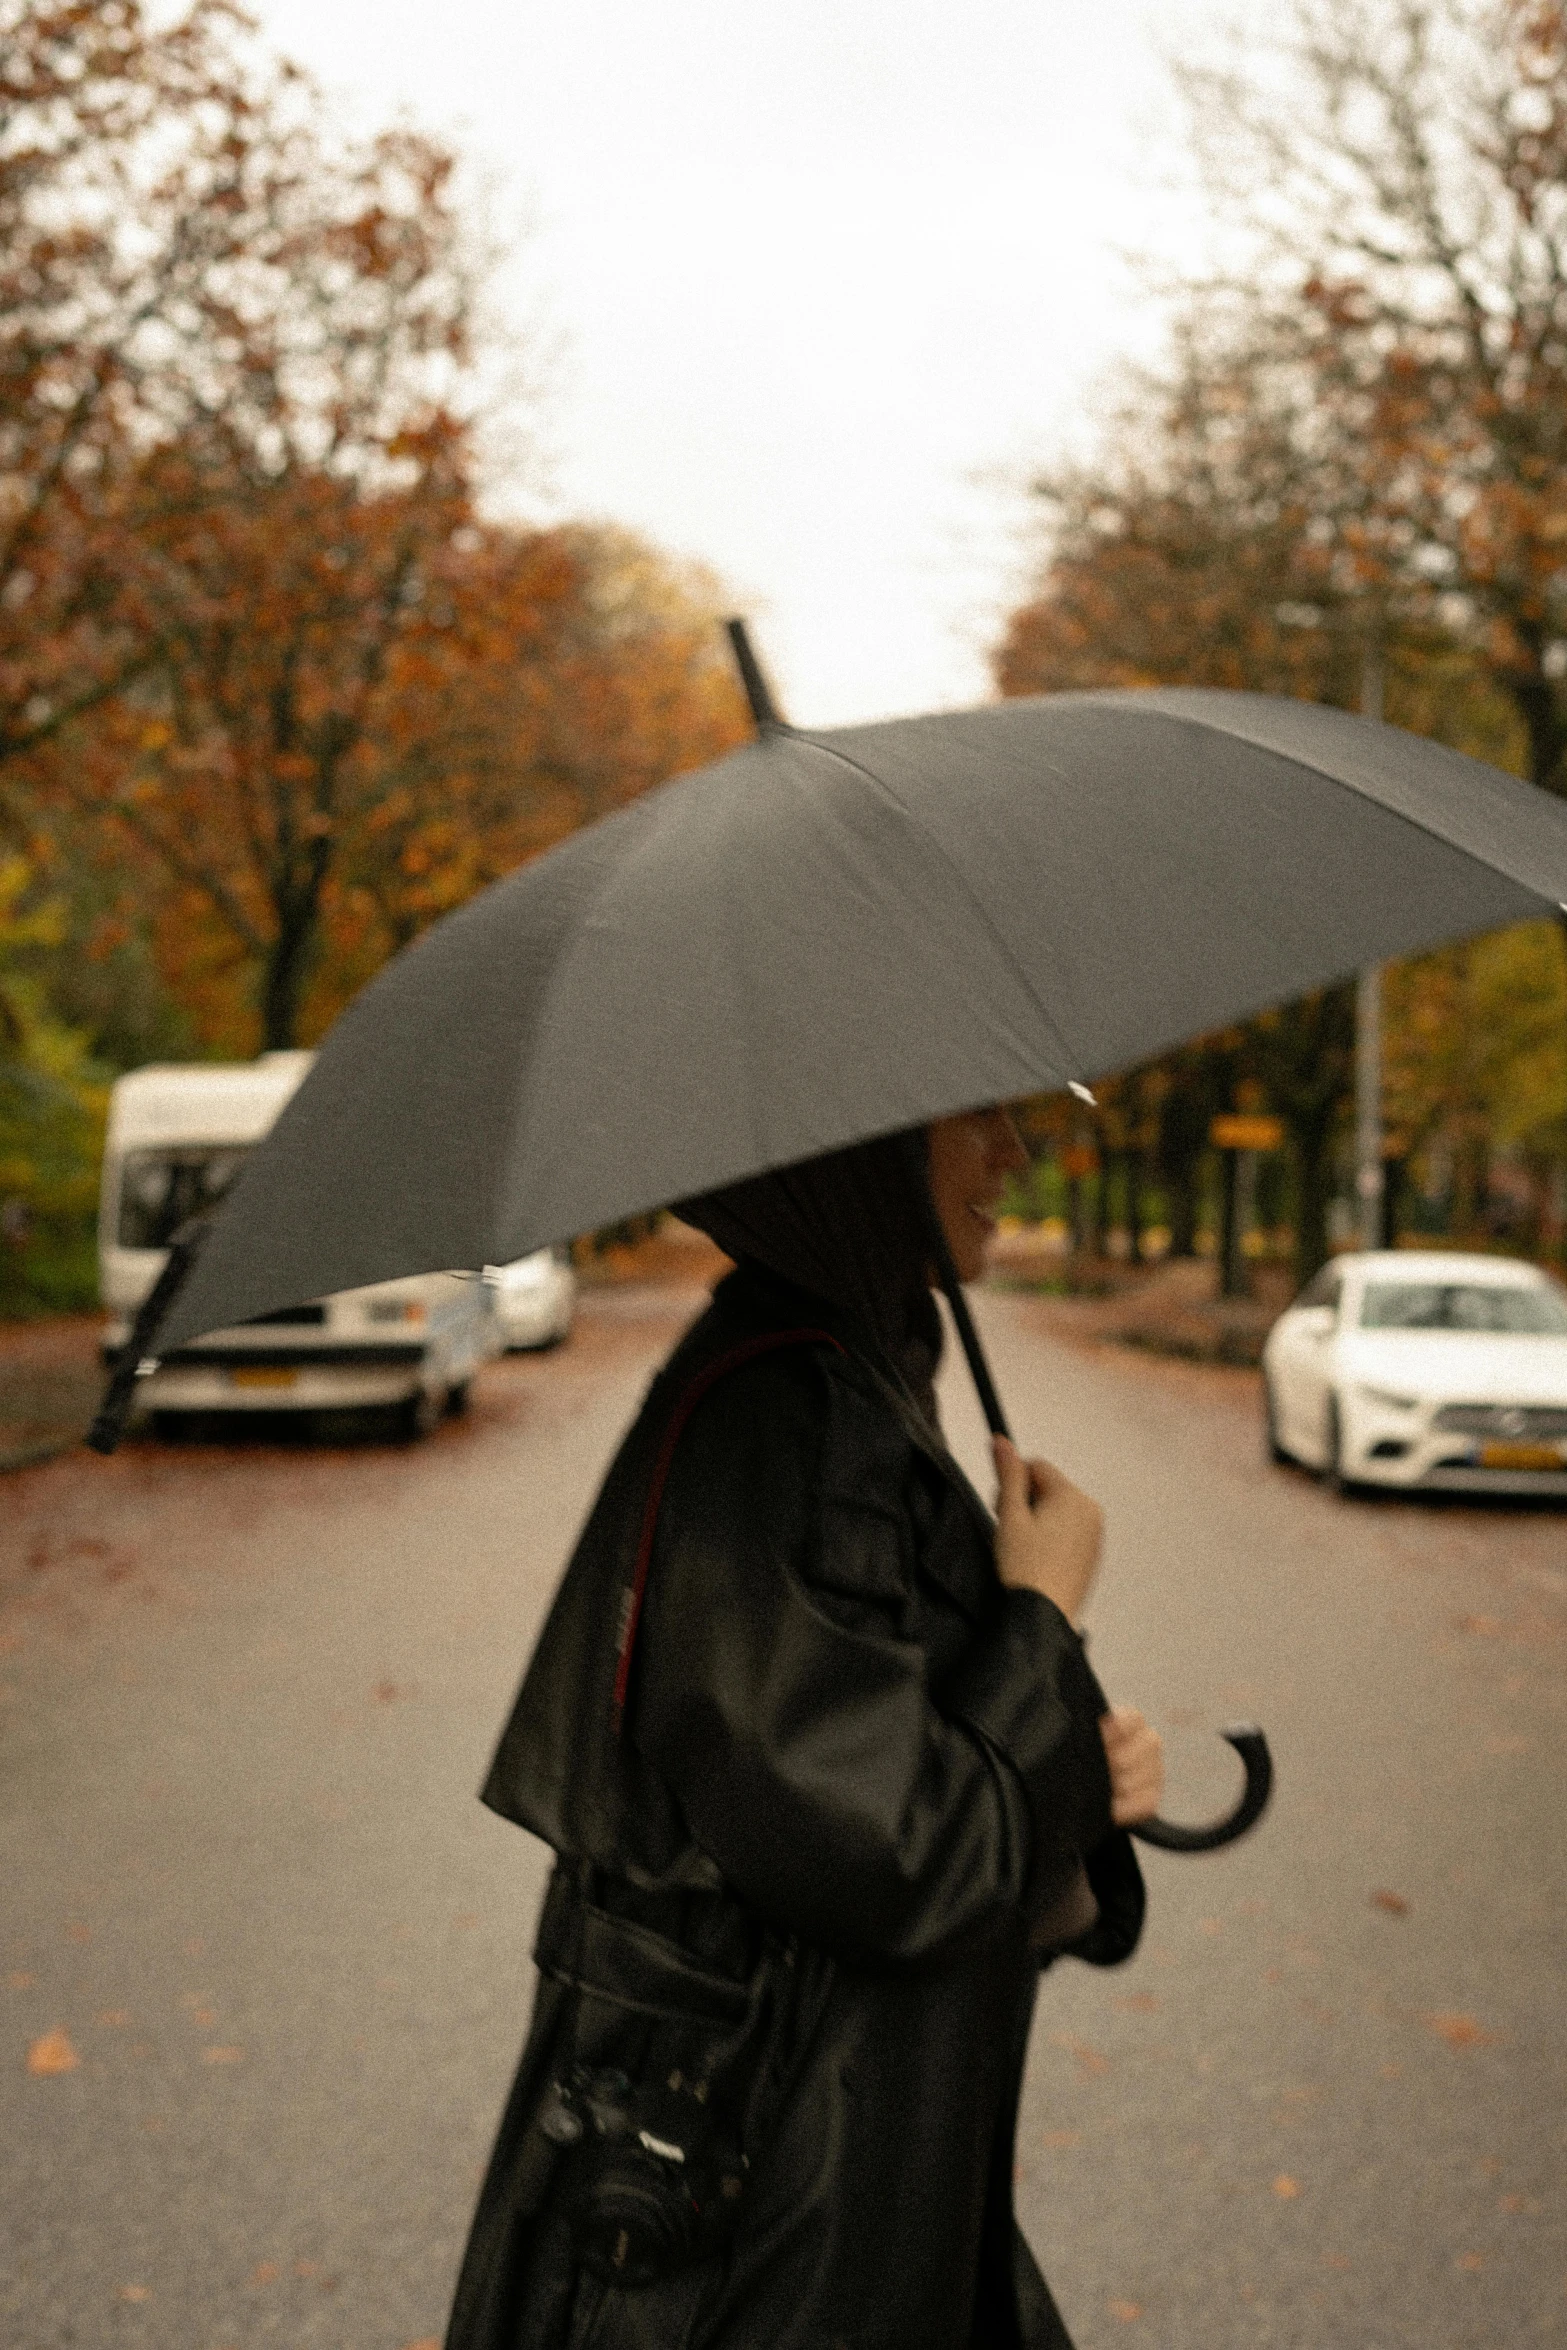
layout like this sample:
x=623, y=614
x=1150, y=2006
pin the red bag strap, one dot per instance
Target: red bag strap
x=631, y=1600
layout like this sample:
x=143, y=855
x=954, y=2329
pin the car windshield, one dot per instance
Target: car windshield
x=1464, y=1305
x=160, y=1189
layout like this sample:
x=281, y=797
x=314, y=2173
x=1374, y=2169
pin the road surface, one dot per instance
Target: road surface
x=263, y=1957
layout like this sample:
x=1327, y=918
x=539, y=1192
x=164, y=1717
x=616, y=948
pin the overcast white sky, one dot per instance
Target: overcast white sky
x=820, y=275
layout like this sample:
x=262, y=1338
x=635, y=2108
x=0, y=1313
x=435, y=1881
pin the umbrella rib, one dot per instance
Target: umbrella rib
x=1072, y=1069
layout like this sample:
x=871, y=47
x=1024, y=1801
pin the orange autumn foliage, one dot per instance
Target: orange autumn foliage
x=295, y=699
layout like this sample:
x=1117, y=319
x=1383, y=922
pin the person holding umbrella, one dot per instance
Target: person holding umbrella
x=813, y=1737
x=829, y=1779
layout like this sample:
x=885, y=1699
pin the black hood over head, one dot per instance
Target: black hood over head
x=851, y=1227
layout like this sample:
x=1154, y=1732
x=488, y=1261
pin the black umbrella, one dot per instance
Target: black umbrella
x=825, y=937
x=829, y=936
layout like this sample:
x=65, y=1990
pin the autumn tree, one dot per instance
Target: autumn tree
x=1190, y=546
x=1392, y=177
x=121, y=136
x=296, y=464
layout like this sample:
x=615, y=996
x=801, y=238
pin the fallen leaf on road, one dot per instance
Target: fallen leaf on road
x=1139, y=2003
x=1208, y=1926
x=20, y=1981
x=1483, y=1627
x=1062, y=2138
x=1470, y=2261
x=114, y=2016
x=1336, y=2260
x=425, y=2342
x=1508, y=1743
x=223, y=2056
x=1394, y=1903
x=1126, y=2311
x=1089, y=2059
x=265, y=2272
x=1458, y=2030
x=1517, y=2203
x=135, y=2292
x=52, y=2054
x=78, y=1933
x=1285, y=2187
x=205, y=2016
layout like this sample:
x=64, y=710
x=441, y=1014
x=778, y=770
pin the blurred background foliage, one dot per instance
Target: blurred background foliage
x=53, y=1095
x=1347, y=482
x=276, y=691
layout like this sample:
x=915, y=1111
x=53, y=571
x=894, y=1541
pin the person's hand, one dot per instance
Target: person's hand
x=1047, y=1533
x=1135, y=1755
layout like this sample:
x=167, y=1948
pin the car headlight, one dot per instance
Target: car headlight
x=1388, y=1400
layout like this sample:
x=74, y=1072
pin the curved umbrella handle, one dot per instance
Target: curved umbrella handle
x=1252, y=1747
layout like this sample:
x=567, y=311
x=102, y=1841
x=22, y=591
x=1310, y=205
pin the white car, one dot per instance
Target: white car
x=534, y=1298
x=1423, y=1370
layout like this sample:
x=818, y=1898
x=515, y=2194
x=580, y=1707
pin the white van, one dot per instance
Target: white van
x=177, y=1137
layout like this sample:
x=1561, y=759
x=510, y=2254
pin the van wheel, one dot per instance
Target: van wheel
x=420, y=1416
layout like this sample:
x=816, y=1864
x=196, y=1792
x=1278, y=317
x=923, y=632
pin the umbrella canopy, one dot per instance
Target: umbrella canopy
x=828, y=936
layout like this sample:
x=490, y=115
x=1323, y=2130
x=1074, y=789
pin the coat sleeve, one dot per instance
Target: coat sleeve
x=782, y=1698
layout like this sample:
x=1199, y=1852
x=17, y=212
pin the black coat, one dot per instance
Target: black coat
x=809, y=1869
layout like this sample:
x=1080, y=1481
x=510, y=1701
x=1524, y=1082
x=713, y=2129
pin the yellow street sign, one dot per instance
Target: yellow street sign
x=1243, y=1131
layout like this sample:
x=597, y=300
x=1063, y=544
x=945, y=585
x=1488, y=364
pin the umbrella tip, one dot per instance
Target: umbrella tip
x=757, y=690
x=1076, y=1085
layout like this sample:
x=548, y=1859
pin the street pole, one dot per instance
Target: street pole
x=1369, y=1174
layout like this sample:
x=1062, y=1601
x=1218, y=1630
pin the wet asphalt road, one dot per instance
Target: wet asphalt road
x=267, y=1956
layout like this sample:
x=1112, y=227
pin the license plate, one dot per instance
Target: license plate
x=1520, y=1456
x=262, y=1375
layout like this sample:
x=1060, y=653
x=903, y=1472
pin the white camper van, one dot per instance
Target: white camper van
x=176, y=1139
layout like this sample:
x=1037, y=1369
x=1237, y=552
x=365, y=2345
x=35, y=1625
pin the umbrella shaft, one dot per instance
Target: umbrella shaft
x=985, y=1386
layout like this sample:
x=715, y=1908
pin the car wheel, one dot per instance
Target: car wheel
x=1270, y=1425
x=420, y=1415
x=457, y=1398
x=170, y=1427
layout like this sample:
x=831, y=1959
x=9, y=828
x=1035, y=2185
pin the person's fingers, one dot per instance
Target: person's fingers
x=1130, y=1809
x=1135, y=1755
x=1120, y=1727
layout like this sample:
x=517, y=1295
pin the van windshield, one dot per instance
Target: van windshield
x=160, y=1188
x=1463, y=1305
